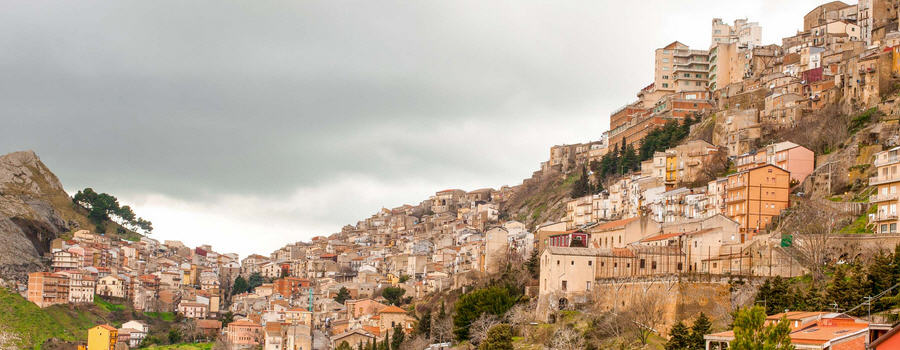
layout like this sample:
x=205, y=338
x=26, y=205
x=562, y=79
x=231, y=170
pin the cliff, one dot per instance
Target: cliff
x=34, y=210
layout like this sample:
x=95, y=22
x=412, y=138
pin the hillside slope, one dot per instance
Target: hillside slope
x=34, y=210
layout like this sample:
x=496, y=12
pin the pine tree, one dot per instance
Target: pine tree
x=342, y=295
x=398, y=337
x=499, y=337
x=750, y=333
x=679, y=337
x=702, y=326
x=424, y=327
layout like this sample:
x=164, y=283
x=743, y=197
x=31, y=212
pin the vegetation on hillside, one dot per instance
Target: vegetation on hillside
x=847, y=287
x=103, y=207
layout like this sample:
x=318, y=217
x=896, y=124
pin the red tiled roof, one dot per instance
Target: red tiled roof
x=392, y=310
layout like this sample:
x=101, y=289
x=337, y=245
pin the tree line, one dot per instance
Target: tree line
x=104, y=207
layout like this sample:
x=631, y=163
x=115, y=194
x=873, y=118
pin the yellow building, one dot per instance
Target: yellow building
x=102, y=337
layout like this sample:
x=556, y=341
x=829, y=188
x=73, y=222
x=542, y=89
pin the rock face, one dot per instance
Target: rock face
x=30, y=195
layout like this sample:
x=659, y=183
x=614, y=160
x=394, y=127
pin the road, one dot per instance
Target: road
x=320, y=340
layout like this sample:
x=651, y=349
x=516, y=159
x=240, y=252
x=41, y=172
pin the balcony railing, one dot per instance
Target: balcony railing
x=885, y=216
x=876, y=181
x=887, y=160
x=882, y=197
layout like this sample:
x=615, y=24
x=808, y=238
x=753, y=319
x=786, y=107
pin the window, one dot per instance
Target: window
x=665, y=85
x=591, y=263
x=665, y=77
x=564, y=285
x=557, y=263
x=643, y=264
x=572, y=263
x=653, y=265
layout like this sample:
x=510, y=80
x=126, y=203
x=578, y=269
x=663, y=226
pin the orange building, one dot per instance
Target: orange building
x=45, y=288
x=811, y=330
x=290, y=285
x=754, y=196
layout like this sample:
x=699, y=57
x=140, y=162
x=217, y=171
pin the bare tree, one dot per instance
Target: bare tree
x=520, y=315
x=478, y=330
x=567, y=338
x=442, y=329
x=416, y=343
x=645, y=313
x=812, y=225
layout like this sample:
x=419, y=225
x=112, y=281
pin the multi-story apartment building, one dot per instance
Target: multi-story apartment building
x=796, y=159
x=684, y=162
x=690, y=70
x=664, y=67
x=743, y=32
x=755, y=195
x=46, y=288
x=65, y=260
x=887, y=187
x=81, y=286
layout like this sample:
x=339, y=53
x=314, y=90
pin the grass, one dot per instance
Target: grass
x=33, y=325
x=182, y=346
x=106, y=305
x=860, y=120
x=165, y=316
x=861, y=224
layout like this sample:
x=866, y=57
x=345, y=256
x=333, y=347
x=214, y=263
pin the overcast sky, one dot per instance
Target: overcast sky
x=251, y=124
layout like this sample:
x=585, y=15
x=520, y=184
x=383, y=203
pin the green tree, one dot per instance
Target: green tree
x=342, y=295
x=442, y=313
x=255, y=280
x=359, y=346
x=499, y=337
x=393, y=295
x=679, y=337
x=174, y=336
x=844, y=289
x=404, y=278
x=494, y=300
x=424, y=326
x=582, y=186
x=227, y=318
x=240, y=286
x=750, y=333
x=534, y=264
x=102, y=207
x=702, y=326
x=344, y=346
x=398, y=338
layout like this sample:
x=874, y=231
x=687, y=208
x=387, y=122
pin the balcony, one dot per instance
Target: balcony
x=876, y=181
x=885, y=216
x=887, y=160
x=882, y=198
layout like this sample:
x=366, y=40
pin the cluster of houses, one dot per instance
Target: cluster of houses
x=667, y=218
x=448, y=241
x=672, y=216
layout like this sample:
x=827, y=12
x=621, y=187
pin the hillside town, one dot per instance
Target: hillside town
x=708, y=207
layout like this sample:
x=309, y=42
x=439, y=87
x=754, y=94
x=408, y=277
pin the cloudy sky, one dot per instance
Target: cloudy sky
x=251, y=124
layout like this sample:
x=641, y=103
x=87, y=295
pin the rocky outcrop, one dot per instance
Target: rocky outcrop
x=30, y=198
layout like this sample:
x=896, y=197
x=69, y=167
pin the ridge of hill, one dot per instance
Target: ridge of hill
x=34, y=210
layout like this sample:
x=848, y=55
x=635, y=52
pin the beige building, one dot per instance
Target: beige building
x=887, y=187
x=621, y=233
x=112, y=286
x=567, y=270
x=743, y=32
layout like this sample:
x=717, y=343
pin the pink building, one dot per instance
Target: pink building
x=796, y=159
